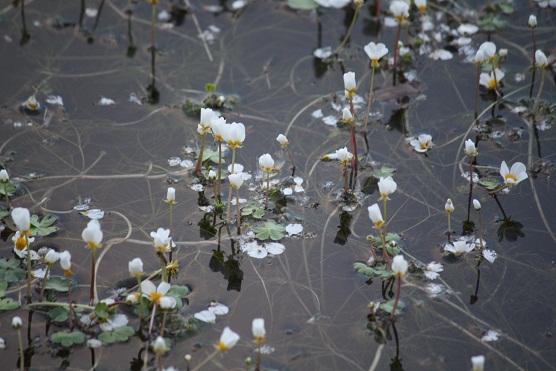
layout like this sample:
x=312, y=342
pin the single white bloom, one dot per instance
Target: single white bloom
x=187, y=358
x=540, y=59
x=159, y=346
x=136, y=267
x=236, y=180
x=400, y=10
x=266, y=162
x=432, y=270
x=293, y=229
x=386, y=187
x=375, y=215
x=113, y=322
x=167, y=302
x=422, y=143
x=161, y=240
x=478, y=363
x=17, y=323
x=470, y=149
x=94, y=343
x=282, y=140
x=491, y=335
x=205, y=316
x=65, y=262
x=468, y=29
x=234, y=134
x=39, y=273
x=51, y=257
x=532, y=21
x=476, y=204
x=171, y=195
x=489, y=50
x=503, y=52
x=347, y=117
x=32, y=104
x=218, y=308
x=21, y=218
x=131, y=299
x=92, y=234
x=479, y=57
x=349, y=85
x=217, y=125
x=449, y=207
x=211, y=175
x=205, y=122
x=344, y=156
x=227, y=340
x=492, y=79
x=375, y=52
x=399, y=266
x=490, y=255
x=4, y=177
x=238, y=168
x=512, y=176
x=258, y=329
x=153, y=293
x=421, y=5
x=459, y=248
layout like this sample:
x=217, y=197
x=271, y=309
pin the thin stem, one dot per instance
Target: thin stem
x=164, y=270
x=348, y=31
x=397, y=298
x=141, y=303
x=355, y=160
x=258, y=360
x=164, y=313
x=21, y=351
x=70, y=314
x=346, y=188
x=395, y=67
x=219, y=170
x=481, y=229
x=449, y=226
x=8, y=198
x=267, y=189
x=384, y=250
x=291, y=159
x=153, y=20
x=170, y=242
x=205, y=361
x=470, y=187
x=373, y=251
x=152, y=318
x=384, y=201
x=238, y=222
x=537, y=99
x=370, y=101
x=92, y=289
x=44, y=282
x=230, y=191
x=28, y=268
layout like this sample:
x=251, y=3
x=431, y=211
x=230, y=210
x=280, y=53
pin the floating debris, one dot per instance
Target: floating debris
x=106, y=102
x=55, y=100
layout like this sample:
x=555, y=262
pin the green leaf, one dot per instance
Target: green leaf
x=507, y=8
x=302, y=4
x=101, y=310
x=269, y=230
x=209, y=154
x=10, y=271
x=489, y=184
x=120, y=334
x=209, y=88
x=3, y=213
x=67, y=339
x=253, y=211
x=3, y=287
x=8, y=304
x=59, y=314
x=384, y=172
x=43, y=227
x=389, y=305
x=57, y=284
x=379, y=270
x=11, y=191
x=178, y=292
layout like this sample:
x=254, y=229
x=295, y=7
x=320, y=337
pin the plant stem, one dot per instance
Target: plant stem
x=219, y=170
x=28, y=268
x=537, y=99
x=44, y=282
x=70, y=318
x=355, y=160
x=449, y=227
x=370, y=100
x=141, y=303
x=238, y=222
x=480, y=229
x=259, y=352
x=8, y=198
x=477, y=91
x=92, y=289
x=164, y=270
x=346, y=188
x=397, y=298
x=200, y=159
x=385, y=221
x=21, y=351
x=205, y=361
x=170, y=242
x=164, y=313
x=348, y=31
x=291, y=159
x=395, y=67
x=267, y=189
x=230, y=191
x=384, y=250
x=153, y=20
x=373, y=250
x=152, y=318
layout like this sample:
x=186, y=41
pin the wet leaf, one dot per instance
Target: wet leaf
x=67, y=339
x=120, y=334
x=11, y=191
x=389, y=305
x=8, y=304
x=269, y=230
x=10, y=271
x=57, y=284
x=3, y=287
x=211, y=155
x=43, y=227
x=101, y=310
x=379, y=270
x=489, y=184
x=384, y=172
x=59, y=314
x=254, y=211
x=506, y=7
x=209, y=88
x=302, y=4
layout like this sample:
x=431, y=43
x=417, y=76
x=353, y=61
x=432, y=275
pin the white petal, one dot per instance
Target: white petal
x=275, y=248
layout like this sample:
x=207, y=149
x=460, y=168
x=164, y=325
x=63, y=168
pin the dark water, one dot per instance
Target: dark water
x=314, y=303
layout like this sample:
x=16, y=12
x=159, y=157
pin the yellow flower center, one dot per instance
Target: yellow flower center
x=491, y=84
x=221, y=346
x=424, y=145
x=234, y=144
x=374, y=62
x=259, y=339
x=510, y=176
x=155, y=297
x=20, y=243
x=92, y=245
x=350, y=93
x=422, y=8
x=67, y=273
x=379, y=224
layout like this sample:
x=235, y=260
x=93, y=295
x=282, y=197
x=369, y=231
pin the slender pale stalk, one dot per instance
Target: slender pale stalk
x=152, y=318
x=291, y=159
x=397, y=298
x=396, y=50
x=449, y=226
x=346, y=187
x=141, y=303
x=348, y=31
x=370, y=100
x=238, y=216
x=384, y=226
x=481, y=229
x=21, y=351
x=259, y=352
x=219, y=171
x=170, y=229
x=230, y=191
x=47, y=272
x=70, y=314
x=164, y=313
x=92, y=289
x=495, y=79
x=384, y=250
x=267, y=189
x=534, y=60
x=537, y=99
x=8, y=198
x=28, y=268
x=205, y=361
x=153, y=21
x=200, y=159
x=470, y=187
x=373, y=250
x=164, y=270
x=355, y=160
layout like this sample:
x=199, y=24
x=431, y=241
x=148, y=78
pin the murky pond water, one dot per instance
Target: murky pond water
x=120, y=158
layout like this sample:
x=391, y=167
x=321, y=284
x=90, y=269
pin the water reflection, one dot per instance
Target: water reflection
x=344, y=229
x=25, y=36
x=229, y=266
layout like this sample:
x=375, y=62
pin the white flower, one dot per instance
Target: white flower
x=136, y=267
x=153, y=293
x=94, y=343
x=375, y=52
x=4, y=177
x=21, y=244
x=92, y=234
x=51, y=257
x=467, y=29
x=449, y=207
x=489, y=50
x=234, y=134
x=238, y=168
x=227, y=340
x=347, y=117
x=65, y=262
x=540, y=59
x=421, y=5
x=258, y=329
x=422, y=143
x=349, y=85
x=236, y=180
x=476, y=204
x=39, y=273
x=479, y=57
x=131, y=299
x=293, y=229
x=170, y=195
x=32, y=104
x=333, y=3
x=22, y=219
x=217, y=125
x=470, y=149
x=532, y=21
x=297, y=187
x=161, y=240
x=17, y=323
x=512, y=176
x=205, y=123
x=211, y=175
x=386, y=187
x=399, y=266
x=206, y=316
x=254, y=250
x=113, y=322
x=375, y=215
x=159, y=346
x=491, y=80
x=491, y=335
x=167, y=302
x=490, y=255
x=218, y=308
x=344, y=156
x=400, y=10
x=432, y=270
x=459, y=248
x=282, y=140
x=266, y=162
x=478, y=363
x=503, y=52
